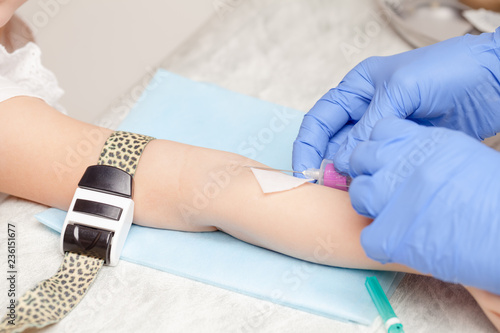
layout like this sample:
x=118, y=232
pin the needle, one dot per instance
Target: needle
x=272, y=169
x=291, y=171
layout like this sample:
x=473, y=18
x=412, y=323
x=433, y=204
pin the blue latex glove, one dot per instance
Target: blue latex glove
x=435, y=197
x=454, y=84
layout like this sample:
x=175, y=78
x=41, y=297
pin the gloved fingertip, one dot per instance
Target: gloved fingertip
x=336, y=141
x=331, y=150
x=341, y=161
x=359, y=194
x=373, y=246
x=305, y=156
x=341, y=158
x=355, y=161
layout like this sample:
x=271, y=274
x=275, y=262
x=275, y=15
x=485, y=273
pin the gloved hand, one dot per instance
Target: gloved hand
x=435, y=197
x=454, y=84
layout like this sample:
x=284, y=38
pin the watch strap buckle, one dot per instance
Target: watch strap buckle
x=89, y=241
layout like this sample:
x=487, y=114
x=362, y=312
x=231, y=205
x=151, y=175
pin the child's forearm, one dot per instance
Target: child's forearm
x=311, y=222
x=177, y=186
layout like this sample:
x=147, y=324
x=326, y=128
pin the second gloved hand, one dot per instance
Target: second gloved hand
x=453, y=84
x=434, y=194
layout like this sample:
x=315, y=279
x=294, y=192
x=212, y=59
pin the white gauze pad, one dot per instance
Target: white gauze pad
x=273, y=181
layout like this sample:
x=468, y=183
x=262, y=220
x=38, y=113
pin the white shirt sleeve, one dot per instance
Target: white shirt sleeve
x=9, y=89
x=22, y=74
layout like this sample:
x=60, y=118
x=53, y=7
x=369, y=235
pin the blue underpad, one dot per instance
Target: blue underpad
x=179, y=109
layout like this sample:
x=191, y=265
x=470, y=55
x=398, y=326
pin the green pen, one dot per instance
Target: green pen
x=391, y=321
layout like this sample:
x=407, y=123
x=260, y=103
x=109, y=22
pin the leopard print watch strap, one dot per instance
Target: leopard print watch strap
x=52, y=299
x=123, y=150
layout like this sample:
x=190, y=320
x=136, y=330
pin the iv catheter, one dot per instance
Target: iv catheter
x=325, y=175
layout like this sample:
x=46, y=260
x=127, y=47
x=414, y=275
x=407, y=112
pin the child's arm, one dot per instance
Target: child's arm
x=490, y=304
x=177, y=186
x=43, y=155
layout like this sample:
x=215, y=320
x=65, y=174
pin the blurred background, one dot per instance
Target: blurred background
x=97, y=49
x=288, y=52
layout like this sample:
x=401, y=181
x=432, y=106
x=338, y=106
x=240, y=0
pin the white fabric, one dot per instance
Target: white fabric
x=22, y=74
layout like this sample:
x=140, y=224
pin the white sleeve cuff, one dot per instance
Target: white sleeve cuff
x=14, y=91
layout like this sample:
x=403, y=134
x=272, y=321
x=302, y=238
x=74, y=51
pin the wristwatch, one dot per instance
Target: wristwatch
x=93, y=235
x=100, y=214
